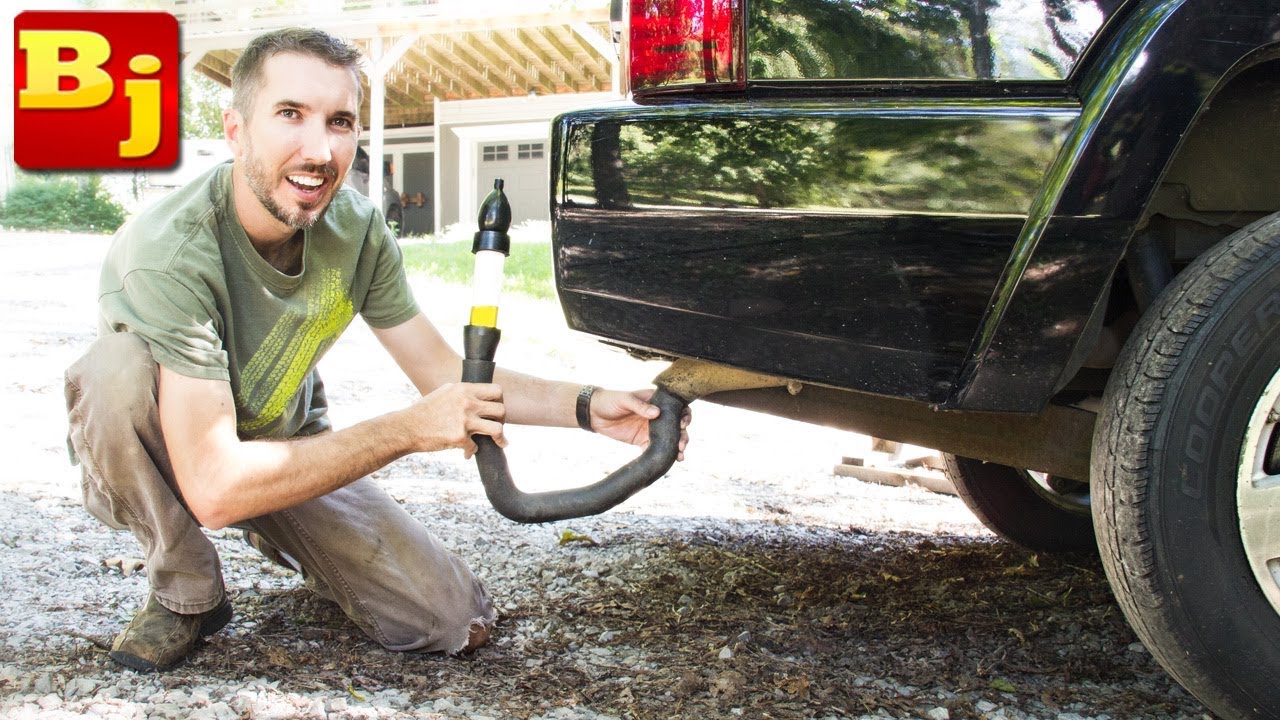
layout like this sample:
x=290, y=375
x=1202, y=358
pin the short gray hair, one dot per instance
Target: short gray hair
x=246, y=76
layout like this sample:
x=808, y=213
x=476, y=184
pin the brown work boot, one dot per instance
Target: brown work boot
x=158, y=638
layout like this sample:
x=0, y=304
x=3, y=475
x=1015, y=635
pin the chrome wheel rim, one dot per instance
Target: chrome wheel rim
x=1258, y=494
x=1073, y=497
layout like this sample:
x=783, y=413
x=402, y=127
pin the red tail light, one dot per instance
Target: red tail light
x=686, y=42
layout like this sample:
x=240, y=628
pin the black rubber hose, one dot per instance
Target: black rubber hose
x=520, y=506
x=653, y=463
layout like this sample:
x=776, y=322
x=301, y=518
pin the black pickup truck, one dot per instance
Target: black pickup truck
x=1038, y=235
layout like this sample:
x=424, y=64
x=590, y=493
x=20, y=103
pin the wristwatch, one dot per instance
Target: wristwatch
x=583, y=408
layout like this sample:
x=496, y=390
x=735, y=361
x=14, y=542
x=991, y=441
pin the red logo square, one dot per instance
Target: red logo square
x=95, y=90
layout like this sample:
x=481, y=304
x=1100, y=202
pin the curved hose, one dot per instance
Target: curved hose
x=664, y=445
x=653, y=463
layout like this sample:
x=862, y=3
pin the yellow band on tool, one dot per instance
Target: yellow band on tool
x=484, y=315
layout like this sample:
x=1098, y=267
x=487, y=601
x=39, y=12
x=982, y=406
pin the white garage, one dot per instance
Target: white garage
x=522, y=165
x=478, y=140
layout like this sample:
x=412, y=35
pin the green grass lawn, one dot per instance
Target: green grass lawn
x=528, y=267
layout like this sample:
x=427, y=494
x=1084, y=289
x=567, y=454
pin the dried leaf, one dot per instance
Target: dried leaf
x=728, y=684
x=795, y=686
x=279, y=656
x=569, y=536
x=1025, y=568
x=689, y=683
x=354, y=694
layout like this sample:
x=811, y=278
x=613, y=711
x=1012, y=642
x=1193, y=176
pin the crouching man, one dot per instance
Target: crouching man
x=200, y=406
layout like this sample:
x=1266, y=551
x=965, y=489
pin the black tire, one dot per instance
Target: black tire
x=1034, y=512
x=395, y=220
x=1180, y=417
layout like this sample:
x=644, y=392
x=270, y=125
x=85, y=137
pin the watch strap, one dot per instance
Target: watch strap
x=583, y=407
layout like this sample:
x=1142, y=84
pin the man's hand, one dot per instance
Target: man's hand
x=625, y=416
x=448, y=416
x=432, y=365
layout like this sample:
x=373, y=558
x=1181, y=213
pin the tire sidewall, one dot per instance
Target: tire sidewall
x=1007, y=501
x=1223, y=625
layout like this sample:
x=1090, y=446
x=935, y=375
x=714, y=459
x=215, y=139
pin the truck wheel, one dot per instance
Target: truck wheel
x=1187, y=476
x=1038, y=512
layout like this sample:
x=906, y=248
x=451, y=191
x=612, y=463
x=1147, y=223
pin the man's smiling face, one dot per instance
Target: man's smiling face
x=297, y=144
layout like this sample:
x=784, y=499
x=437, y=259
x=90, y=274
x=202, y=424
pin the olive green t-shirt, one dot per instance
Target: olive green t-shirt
x=184, y=276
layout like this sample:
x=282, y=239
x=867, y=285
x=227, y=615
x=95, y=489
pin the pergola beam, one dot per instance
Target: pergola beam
x=455, y=58
x=543, y=65
x=353, y=24
x=513, y=61
x=599, y=50
x=564, y=56
x=435, y=67
x=217, y=67
x=380, y=59
x=459, y=50
x=480, y=47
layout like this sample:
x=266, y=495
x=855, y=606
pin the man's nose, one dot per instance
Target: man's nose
x=315, y=143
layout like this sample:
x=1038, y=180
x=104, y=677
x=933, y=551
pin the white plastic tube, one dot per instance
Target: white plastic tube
x=486, y=287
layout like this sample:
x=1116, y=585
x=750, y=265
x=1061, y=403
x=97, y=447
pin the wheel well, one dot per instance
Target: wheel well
x=1225, y=175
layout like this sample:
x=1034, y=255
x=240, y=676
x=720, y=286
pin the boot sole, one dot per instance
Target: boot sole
x=216, y=620
x=134, y=662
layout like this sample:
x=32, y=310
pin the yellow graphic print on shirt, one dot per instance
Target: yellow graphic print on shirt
x=277, y=370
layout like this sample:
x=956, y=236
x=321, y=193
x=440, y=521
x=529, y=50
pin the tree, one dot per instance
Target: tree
x=67, y=202
x=606, y=166
x=862, y=39
x=203, y=100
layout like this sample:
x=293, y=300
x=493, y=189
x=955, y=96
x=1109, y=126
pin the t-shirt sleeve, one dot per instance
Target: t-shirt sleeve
x=390, y=299
x=176, y=321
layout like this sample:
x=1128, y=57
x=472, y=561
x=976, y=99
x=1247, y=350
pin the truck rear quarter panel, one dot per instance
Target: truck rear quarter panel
x=926, y=202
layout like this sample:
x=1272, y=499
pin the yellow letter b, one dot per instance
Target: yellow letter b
x=45, y=69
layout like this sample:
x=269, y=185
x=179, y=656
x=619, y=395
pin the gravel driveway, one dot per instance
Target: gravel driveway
x=750, y=582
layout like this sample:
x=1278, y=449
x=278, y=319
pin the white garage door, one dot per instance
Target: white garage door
x=523, y=167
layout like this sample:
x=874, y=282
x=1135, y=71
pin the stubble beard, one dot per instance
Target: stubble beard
x=261, y=183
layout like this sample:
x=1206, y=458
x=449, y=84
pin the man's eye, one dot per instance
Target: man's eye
x=342, y=122
x=289, y=113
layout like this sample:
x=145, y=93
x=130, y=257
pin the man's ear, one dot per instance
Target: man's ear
x=232, y=126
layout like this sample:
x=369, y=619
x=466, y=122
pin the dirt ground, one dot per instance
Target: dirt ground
x=750, y=582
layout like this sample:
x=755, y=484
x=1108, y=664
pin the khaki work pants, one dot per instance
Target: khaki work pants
x=356, y=546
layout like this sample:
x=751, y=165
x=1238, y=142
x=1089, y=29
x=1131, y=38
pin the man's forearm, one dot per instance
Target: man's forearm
x=535, y=401
x=263, y=476
x=225, y=480
x=429, y=362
